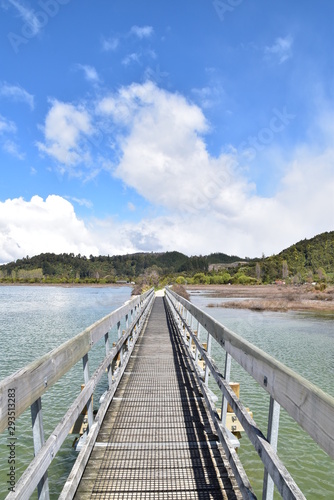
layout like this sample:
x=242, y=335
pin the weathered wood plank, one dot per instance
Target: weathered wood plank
x=306, y=403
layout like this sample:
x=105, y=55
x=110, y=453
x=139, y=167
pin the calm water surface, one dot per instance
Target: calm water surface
x=34, y=320
x=305, y=343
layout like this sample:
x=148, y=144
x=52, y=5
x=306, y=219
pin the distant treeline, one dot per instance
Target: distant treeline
x=109, y=269
x=306, y=261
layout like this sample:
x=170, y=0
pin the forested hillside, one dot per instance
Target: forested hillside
x=50, y=267
x=306, y=261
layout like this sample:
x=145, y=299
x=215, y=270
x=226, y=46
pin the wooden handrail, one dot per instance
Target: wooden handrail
x=32, y=381
x=306, y=403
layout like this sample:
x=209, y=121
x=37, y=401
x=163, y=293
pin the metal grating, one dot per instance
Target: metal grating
x=157, y=441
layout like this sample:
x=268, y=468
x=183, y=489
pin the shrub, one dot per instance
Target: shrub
x=180, y=280
x=180, y=290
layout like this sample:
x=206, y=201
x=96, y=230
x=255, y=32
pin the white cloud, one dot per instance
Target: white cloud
x=13, y=149
x=17, y=93
x=110, y=44
x=139, y=57
x=211, y=205
x=281, y=49
x=38, y=226
x=27, y=15
x=90, y=73
x=142, y=31
x=80, y=201
x=208, y=97
x=164, y=147
x=6, y=125
x=65, y=127
x=8, y=145
x=134, y=57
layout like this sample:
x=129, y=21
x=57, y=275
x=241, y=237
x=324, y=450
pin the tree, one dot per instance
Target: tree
x=322, y=274
x=285, y=269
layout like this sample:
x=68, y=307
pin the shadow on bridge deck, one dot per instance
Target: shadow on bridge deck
x=157, y=441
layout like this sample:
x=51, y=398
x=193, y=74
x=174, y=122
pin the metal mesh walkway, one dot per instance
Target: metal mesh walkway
x=156, y=441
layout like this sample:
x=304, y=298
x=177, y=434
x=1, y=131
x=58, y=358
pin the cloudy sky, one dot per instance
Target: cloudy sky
x=193, y=125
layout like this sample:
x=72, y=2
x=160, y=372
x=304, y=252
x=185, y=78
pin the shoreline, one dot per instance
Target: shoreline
x=71, y=285
x=283, y=298
x=303, y=298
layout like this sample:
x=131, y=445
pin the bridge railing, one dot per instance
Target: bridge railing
x=26, y=387
x=308, y=405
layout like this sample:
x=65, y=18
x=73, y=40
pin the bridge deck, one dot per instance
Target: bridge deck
x=157, y=440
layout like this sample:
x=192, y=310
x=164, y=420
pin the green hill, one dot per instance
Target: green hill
x=53, y=268
x=307, y=260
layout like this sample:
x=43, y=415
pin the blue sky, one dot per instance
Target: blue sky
x=198, y=126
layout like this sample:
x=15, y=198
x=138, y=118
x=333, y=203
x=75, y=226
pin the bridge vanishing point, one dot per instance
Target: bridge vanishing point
x=157, y=433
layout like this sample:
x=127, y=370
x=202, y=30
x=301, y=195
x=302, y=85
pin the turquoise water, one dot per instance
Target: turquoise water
x=34, y=320
x=305, y=343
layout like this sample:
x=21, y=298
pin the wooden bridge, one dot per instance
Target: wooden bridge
x=158, y=433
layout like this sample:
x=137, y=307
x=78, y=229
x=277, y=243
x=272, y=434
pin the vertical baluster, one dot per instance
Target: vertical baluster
x=206, y=379
x=227, y=375
x=191, y=329
x=38, y=436
x=180, y=318
x=185, y=319
x=127, y=327
x=273, y=425
x=107, y=345
x=141, y=317
x=180, y=313
x=135, y=328
x=119, y=335
x=198, y=336
x=86, y=380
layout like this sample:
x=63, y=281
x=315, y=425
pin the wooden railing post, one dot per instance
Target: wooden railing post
x=227, y=375
x=273, y=424
x=89, y=402
x=38, y=436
